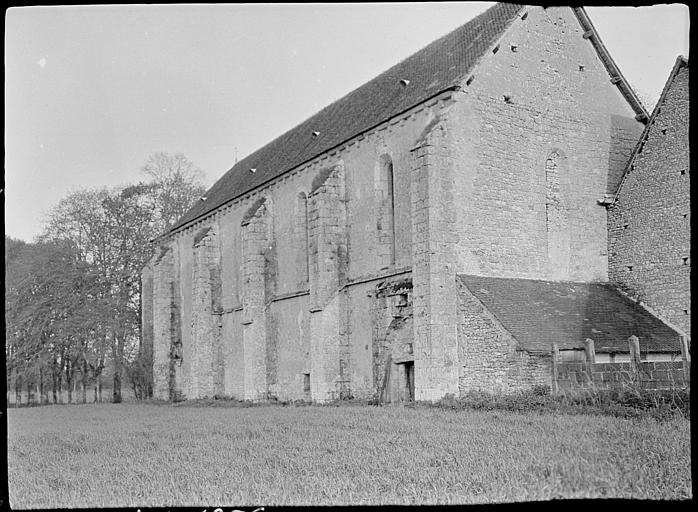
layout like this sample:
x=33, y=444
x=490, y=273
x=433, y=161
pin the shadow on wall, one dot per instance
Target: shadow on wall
x=624, y=136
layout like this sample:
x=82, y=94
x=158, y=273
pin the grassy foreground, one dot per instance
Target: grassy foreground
x=128, y=455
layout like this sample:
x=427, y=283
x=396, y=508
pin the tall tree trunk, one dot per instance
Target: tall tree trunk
x=99, y=386
x=84, y=381
x=60, y=385
x=43, y=398
x=54, y=375
x=30, y=395
x=18, y=389
x=116, y=394
x=117, y=351
x=69, y=380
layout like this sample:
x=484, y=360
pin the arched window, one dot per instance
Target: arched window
x=552, y=192
x=557, y=234
x=302, y=240
x=385, y=211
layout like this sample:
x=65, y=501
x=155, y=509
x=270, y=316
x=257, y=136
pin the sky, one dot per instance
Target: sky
x=92, y=91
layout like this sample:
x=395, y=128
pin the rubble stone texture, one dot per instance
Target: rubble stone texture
x=338, y=277
x=649, y=225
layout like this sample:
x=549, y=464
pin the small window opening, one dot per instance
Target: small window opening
x=630, y=268
x=495, y=49
x=683, y=172
x=524, y=16
x=581, y=67
x=514, y=48
x=306, y=383
x=625, y=226
x=685, y=215
x=686, y=260
x=507, y=99
x=469, y=80
x=663, y=131
x=685, y=311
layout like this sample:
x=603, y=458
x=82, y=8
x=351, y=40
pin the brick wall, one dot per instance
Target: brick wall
x=649, y=232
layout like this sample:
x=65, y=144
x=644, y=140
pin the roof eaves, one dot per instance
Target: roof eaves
x=304, y=163
x=681, y=61
x=617, y=77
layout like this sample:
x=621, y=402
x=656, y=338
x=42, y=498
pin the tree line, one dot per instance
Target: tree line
x=73, y=296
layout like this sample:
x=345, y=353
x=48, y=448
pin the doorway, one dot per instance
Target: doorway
x=409, y=381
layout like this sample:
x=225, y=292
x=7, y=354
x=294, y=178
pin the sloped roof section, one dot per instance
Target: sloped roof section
x=538, y=313
x=440, y=66
x=681, y=64
x=617, y=77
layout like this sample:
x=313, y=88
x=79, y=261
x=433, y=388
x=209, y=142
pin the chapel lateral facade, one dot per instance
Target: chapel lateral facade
x=367, y=253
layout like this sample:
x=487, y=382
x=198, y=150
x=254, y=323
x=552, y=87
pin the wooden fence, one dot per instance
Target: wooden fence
x=635, y=374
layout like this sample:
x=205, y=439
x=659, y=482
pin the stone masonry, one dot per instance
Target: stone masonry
x=326, y=264
x=256, y=250
x=649, y=224
x=327, y=226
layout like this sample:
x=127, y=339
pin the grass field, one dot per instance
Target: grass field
x=129, y=455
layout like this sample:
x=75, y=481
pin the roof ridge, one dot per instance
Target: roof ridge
x=435, y=68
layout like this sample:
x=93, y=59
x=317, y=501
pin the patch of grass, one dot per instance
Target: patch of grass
x=130, y=455
x=627, y=403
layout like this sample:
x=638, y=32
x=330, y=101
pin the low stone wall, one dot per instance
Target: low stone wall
x=634, y=374
x=659, y=375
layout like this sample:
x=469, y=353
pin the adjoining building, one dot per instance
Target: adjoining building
x=430, y=233
x=649, y=221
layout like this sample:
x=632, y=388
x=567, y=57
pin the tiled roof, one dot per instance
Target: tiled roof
x=436, y=68
x=538, y=313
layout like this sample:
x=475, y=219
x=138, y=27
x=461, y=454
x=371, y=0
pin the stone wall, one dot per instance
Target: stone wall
x=167, y=334
x=540, y=134
x=147, y=322
x=468, y=193
x=653, y=376
x=258, y=279
x=207, y=365
x=649, y=231
x=392, y=338
x=328, y=258
x=488, y=356
x=434, y=240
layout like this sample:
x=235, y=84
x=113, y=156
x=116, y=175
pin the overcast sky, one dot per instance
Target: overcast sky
x=91, y=91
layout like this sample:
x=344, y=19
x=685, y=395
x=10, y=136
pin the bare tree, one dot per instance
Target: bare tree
x=110, y=231
x=177, y=184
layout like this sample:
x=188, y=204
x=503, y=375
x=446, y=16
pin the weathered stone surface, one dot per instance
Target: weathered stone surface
x=649, y=225
x=291, y=292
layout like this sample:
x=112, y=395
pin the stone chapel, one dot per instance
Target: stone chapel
x=430, y=233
